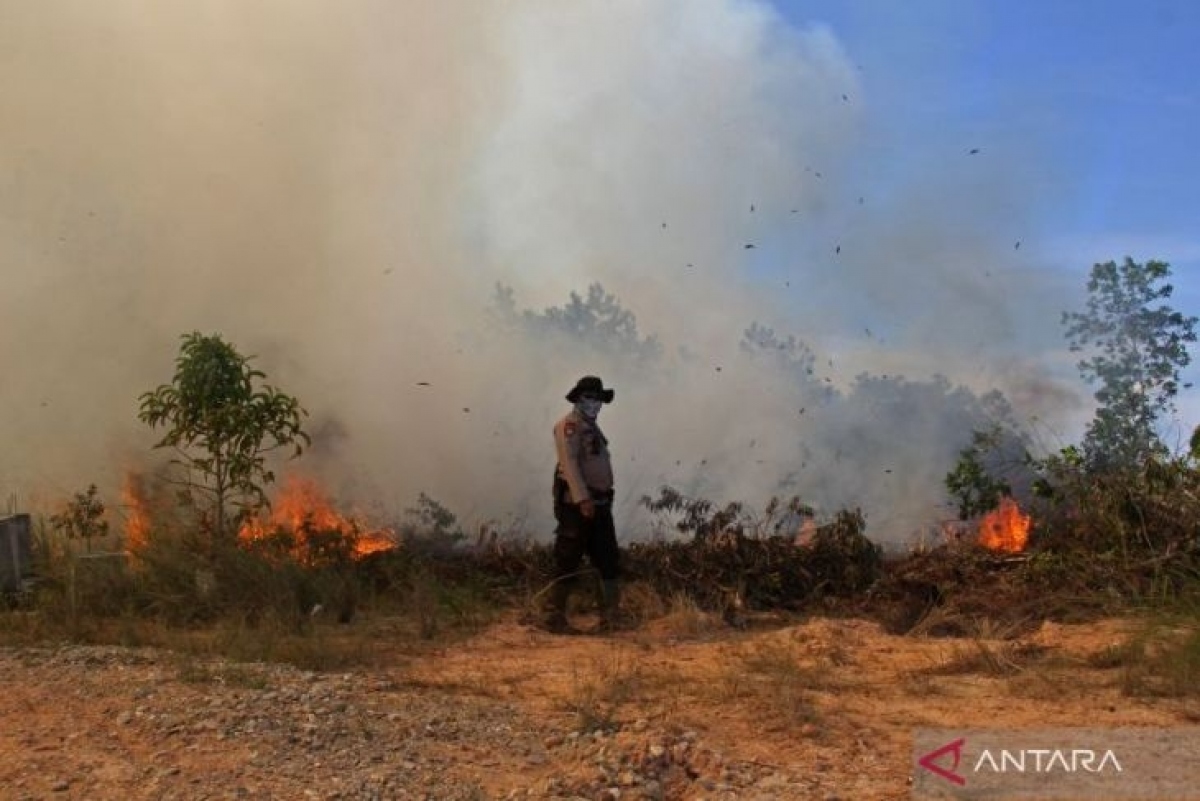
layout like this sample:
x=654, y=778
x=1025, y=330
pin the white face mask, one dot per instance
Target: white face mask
x=589, y=408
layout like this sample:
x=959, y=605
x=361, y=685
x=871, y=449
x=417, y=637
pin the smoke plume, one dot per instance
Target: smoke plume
x=339, y=189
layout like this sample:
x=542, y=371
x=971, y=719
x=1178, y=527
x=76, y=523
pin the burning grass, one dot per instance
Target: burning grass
x=310, y=584
x=304, y=520
x=1006, y=528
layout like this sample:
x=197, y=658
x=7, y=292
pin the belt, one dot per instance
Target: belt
x=601, y=497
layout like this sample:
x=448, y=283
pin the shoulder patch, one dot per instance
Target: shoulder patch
x=569, y=428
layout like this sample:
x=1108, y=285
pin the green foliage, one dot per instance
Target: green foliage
x=791, y=355
x=975, y=489
x=1136, y=347
x=267, y=582
x=83, y=518
x=1143, y=518
x=433, y=520
x=842, y=556
x=599, y=320
x=703, y=520
x=430, y=528
x=995, y=465
x=696, y=516
x=736, y=553
x=222, y=422
x=1057, y=472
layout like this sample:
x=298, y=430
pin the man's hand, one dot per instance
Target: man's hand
x=587, y=508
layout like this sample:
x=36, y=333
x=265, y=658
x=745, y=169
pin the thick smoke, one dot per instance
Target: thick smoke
x=340, y=188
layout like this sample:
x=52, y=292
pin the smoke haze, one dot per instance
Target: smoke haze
x=339, y=189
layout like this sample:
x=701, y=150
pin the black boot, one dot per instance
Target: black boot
x=555, y=618
x=610, y=608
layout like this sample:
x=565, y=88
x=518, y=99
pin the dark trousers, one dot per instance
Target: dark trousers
x=577, y=535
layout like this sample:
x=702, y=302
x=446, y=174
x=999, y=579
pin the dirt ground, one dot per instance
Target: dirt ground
x=832, y=698
x=682, y=707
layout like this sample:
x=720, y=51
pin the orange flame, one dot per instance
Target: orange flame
x=1005, y=529
x=302, y=508
x=137, y=515
x=806, y=532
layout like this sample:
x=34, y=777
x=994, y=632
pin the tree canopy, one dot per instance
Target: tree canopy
x=1134, y=346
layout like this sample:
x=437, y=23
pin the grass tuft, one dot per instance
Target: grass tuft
x=598, y=697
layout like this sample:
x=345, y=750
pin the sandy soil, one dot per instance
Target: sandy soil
x=834, y=699
x=682, y=707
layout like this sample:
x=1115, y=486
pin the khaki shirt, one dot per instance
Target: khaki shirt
x=583, y=459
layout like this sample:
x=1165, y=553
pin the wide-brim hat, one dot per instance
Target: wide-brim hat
x=591, y=384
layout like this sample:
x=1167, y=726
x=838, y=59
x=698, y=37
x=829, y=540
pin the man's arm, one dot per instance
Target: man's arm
x=568, y=443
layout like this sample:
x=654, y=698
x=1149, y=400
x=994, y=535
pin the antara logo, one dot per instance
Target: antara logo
x=929, y=761
x=1027, y=760
x=1048, y=760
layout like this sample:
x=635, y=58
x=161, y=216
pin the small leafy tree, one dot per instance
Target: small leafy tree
x=222, y=422
x=83, y=518
x=985, y=471
x=1137, y=346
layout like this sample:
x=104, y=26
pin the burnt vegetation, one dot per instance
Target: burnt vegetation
x=1116, y=519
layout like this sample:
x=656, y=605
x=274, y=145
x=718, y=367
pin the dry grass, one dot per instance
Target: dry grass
x=198, y=671
x=685, y=619
x=251, y=608
x=1159, y=659
x=1162, y=659
x=920, y=684
x=642, y=602
x=1046, y=684
x=602, y=690
x=982, y=657
x=987, y=648
x=781, y=682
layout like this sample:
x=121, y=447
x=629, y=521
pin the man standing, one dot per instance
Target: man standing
x=583, y=495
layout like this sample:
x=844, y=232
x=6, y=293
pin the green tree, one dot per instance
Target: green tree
x=1135, y=346
x=974, y=483
x=599, y=321
x=83, y=517
x=222, y=422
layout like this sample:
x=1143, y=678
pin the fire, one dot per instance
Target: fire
x=137, y=515
x=302, y=508
x=806, y=532
x=1006, y=528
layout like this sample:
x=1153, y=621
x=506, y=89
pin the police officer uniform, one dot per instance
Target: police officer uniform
x=583, y=495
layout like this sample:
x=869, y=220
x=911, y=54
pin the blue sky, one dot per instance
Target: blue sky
x=1111, y=89
x=1103, y=95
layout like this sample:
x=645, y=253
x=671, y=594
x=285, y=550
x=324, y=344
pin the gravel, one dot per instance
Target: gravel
x=100, y=722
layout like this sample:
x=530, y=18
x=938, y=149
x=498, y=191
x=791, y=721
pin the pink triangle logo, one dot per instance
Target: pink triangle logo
x=929, y=761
